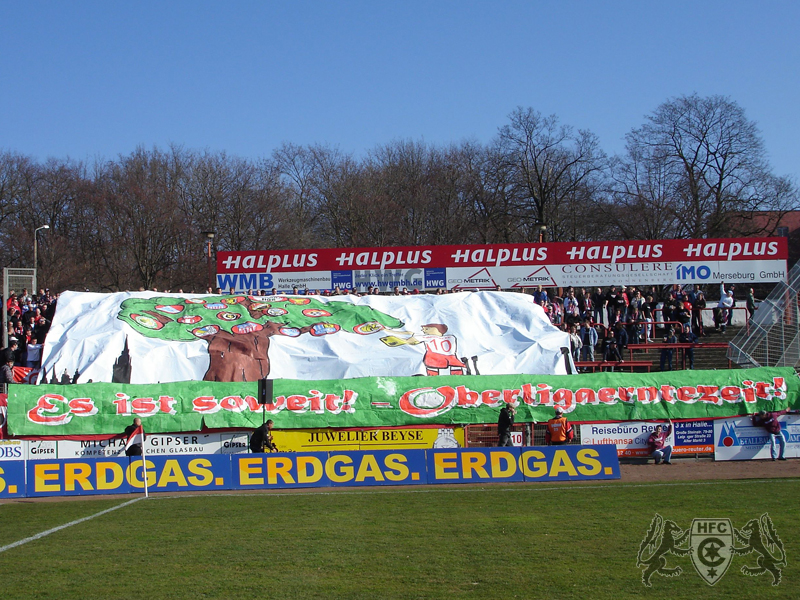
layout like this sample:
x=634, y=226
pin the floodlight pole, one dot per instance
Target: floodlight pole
x=36, y=254
x=209, y=237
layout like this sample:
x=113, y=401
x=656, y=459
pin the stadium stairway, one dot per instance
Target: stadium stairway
x=715, y=358
x=706, y=358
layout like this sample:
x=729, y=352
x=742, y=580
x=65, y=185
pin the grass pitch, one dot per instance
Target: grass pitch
x=521, y=541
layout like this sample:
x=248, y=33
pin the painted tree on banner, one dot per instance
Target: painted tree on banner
x=238, y=328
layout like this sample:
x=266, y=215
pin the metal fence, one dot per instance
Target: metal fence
x=485, y=435
x=773, y=336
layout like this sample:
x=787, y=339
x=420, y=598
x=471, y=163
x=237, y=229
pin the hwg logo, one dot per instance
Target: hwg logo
x=711, y=544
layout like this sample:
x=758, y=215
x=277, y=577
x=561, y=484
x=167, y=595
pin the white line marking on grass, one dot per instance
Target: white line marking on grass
x=39, y=536
x=530, y=488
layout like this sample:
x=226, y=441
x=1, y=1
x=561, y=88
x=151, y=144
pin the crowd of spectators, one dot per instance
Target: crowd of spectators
x=614, y=318
x=28, y=317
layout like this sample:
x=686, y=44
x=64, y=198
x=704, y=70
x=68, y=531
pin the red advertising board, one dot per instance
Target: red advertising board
x=488, y=266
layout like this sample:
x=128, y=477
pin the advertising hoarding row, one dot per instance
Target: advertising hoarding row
x=236, y=442
x=508, y=266
x=306, y=469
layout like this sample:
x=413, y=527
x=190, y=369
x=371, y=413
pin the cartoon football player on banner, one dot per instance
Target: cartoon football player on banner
x=440, y=349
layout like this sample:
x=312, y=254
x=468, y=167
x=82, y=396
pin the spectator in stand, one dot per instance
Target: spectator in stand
x=770, y=422
x=642, y=329
x=751, y=303
x=588, y=307
x=657, y=442
x=40, y=329
x=575, y=342
x=33, y=354
x=559, y=431
x=683, y=314
x=14, y=318
x=610, y=351
x=621, y=336
x=7, y=372
x=556, y=311
x=691, y=296
x=688, y=337
x=610, y=304
x=598, y=301
x=732, y=290
x=648, y=311
x=572, y=312
x=633, y=327
x=698, y=306
x=10, y=353
x=589, y=338
x=724, y=306
x=540, y=296
x=12, y=301
x=670, y=308
x=624, y=302
x=667, y=353
x=583, y=299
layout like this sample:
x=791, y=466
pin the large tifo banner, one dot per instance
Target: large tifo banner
x=147, y=337
x=107, y=408
x=20, y=478
x=484, y=267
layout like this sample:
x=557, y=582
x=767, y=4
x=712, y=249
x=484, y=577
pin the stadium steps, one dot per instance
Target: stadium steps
x=715, y=358
x=706, y=358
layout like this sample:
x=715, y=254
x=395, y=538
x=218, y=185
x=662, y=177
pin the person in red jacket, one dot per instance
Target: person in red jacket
x=559, y=430
x=657, y=442
x=769, y=421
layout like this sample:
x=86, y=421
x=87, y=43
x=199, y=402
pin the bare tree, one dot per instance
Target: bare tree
x=552, y=165
x=707, y=162
x=139, y=223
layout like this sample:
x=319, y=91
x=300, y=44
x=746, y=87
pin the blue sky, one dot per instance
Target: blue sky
x=95, y=79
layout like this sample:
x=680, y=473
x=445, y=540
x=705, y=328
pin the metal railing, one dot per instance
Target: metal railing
x=773, y=335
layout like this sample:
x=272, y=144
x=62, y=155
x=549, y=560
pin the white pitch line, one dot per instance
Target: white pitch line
x=39, y=536
x=465, y=489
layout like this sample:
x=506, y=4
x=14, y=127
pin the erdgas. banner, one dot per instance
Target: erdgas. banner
x=392, y=401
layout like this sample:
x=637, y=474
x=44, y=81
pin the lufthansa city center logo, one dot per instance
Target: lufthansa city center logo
x=711, y=544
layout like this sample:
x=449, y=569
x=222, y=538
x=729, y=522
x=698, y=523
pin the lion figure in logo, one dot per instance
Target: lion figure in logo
x=663, y=537
x=759, y=536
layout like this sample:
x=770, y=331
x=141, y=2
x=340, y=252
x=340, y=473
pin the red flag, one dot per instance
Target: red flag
x=136, y=437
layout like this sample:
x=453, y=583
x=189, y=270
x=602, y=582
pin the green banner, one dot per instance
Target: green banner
x=95, y=408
